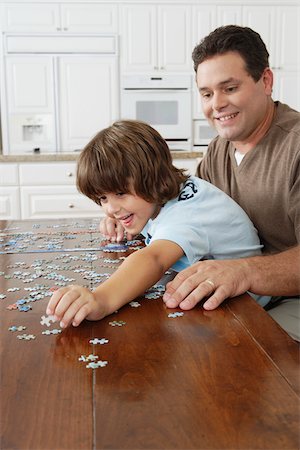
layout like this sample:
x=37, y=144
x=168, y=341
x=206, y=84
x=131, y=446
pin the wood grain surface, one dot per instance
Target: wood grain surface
x=223, y=379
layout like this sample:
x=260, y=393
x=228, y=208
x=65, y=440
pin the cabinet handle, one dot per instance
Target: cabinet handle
x=162, y=68
x=58, y=29
x=155, y=68
x=71, y=205
x=65, y=29
x=69, y=174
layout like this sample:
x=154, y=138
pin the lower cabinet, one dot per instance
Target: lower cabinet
x=45, y=202
x=47, y=190
x=9, y=203
x=9, y=192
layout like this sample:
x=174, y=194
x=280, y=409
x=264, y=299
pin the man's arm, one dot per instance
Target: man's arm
x=220, y=279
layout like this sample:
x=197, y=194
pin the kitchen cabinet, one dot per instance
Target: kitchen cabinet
x=48, y=190
x=155, y=38
x=74, y=17
x=279, y=27
x=57, y=102
x=9, y=192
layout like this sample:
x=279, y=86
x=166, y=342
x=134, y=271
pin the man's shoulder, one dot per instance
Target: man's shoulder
x=287, y=119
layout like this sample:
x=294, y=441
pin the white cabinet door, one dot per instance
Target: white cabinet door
x=156, y=38
x=89, y=17
x=287, y=88
x=84, y=16
x=229, y=15
x=45, y=202
x=9, y=203
x=31, y=17
x=262, y=20
x=288, y=38
x=174, y=38
x=88, y=98
x=138, y=38
x=204, y=21
x=30, y=103
x=279, y=28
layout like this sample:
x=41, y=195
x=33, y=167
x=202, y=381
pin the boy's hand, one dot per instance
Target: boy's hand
x=73, y=304
x=113, y=230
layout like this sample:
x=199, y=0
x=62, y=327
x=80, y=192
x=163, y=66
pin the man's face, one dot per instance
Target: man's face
x=232, y=101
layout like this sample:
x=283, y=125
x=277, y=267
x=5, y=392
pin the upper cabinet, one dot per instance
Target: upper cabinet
x=57, y=101
x=155, y=38
x=82, y=17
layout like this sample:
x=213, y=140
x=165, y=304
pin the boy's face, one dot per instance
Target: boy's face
x=132, y=211
x=232, y=101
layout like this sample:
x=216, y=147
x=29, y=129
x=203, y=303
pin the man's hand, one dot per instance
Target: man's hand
x=216, y=280
x=113, y=230
x=73, y=304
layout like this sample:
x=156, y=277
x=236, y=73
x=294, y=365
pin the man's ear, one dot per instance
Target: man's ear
x=267, y=78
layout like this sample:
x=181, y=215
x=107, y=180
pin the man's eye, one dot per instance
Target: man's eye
x=205, y=95
x=119, y=194
x=102, y=199
x=231, y=89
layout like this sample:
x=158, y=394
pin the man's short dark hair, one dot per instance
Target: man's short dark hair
x=234, y=38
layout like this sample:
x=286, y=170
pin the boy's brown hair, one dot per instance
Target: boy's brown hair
x=129, y=155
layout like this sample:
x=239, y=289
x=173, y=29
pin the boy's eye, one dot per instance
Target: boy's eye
x=102, y=199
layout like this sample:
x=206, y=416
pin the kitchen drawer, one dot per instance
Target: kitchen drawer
x=9, y=175
x=46, y=202
x=9, y=203
x=47, y=174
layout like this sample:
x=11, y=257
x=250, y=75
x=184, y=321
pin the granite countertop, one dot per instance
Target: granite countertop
x=56, y=157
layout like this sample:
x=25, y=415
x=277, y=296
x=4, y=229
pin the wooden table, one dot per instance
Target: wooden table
x=224, y=379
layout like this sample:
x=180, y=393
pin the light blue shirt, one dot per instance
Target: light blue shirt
x=207, y=224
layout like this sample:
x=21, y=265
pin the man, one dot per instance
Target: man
x=256, y=160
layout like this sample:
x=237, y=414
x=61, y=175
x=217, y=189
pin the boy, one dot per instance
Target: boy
x=127, y=169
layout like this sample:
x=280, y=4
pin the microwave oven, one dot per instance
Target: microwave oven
x=203, y=133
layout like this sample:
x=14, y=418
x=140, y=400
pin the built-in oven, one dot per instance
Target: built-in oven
x=164, y=102
x=203, y=133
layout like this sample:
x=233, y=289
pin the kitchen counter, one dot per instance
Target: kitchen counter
x=53, y=157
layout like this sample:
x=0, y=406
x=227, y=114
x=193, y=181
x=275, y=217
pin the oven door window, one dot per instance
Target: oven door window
x=157, y=112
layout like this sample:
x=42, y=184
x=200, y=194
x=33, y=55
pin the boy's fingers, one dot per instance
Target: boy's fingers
x=54, y=300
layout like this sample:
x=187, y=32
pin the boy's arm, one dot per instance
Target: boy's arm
x=138, y=272
x=73, y=304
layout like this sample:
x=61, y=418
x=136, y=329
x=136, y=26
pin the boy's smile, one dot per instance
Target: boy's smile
x=132, y=211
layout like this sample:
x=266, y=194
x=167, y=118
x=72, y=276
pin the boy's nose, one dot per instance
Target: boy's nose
x=112, y=208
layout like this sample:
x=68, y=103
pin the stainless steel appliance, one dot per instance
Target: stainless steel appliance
x=164, y=102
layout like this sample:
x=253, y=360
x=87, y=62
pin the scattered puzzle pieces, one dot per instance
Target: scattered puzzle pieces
x=16, y=328
x=176, y=314
x=26, y=337
x=88, y=358
x=96, y=365
x=99, y=341
x=47, y=320
x=134, y=304
x=54, y=331
x=117, y=323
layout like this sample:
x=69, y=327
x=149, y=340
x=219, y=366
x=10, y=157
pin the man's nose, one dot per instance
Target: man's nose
x=219, y=101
